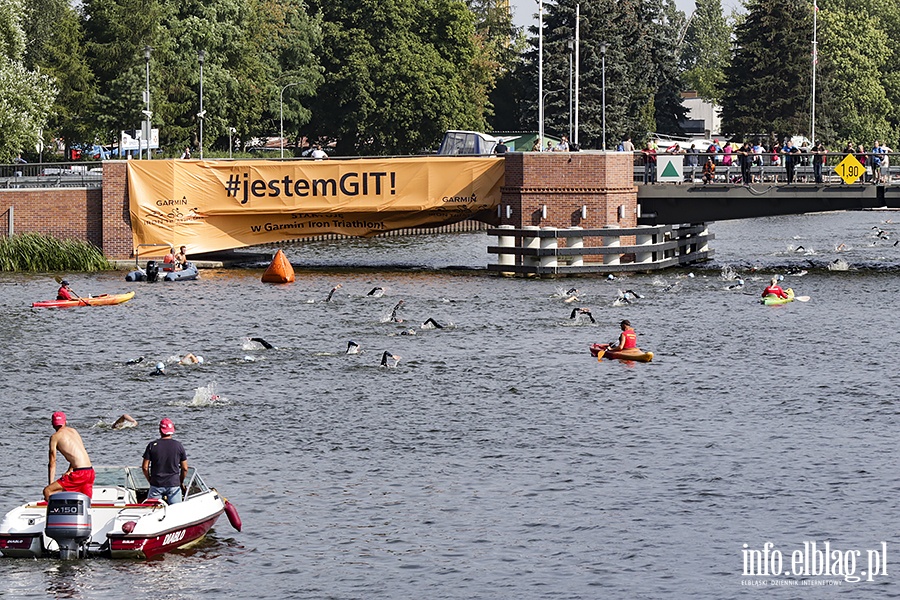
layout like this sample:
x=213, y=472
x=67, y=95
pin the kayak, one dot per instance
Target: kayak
x=773, y=300
x=630, y=354
x=101, y=300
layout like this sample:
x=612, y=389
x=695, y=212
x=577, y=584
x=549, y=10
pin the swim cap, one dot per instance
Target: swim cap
x=199, y=360
x=166, y=427
x=160, y=366
x=59, y=418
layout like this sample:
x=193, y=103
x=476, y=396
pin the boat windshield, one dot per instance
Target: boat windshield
x=113, y=476
x=195, y=484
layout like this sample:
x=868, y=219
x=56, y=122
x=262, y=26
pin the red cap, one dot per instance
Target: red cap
x=59, y=418
x=166, y=427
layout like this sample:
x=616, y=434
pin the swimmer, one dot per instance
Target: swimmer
x=634, y=294
x=352, y=347
x=736, y=286
x=190, y=359
x=160, y=369
x=389, y=360
x=124, y=422
x=571, y=295
x=840, y=248
x=264, y=343
x=377, y=292
x=431, y=323
x=408, y=332
x=582, y=311
x=333, y=290
x=134, y=361
x=394, y=313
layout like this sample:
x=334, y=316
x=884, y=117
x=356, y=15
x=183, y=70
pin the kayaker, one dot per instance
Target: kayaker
x=64, y=292
x=627, y=339
x=79, y=477
x=774, y=289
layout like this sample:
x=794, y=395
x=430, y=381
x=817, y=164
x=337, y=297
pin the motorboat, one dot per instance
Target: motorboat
x=117, y=522
x=153, y=273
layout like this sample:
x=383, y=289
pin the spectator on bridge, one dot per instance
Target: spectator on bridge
x=877, y=157
x=790, y=152
x=714, y=149
x=863, y=159
x=727, y=151
x=745, y=160
x=819, y=155
x=709, y=170
x=627, y=145
x=886, y=166
x=563, y=145
x=649, y=155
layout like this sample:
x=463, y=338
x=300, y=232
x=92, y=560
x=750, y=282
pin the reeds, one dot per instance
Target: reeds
x=37, y=252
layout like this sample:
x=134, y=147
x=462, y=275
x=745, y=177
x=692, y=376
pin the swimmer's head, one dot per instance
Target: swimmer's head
x=160, y=366
x=199, y=360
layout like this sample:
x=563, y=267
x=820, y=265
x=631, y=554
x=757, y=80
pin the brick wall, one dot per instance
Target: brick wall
x=565, y=182
x=61, y=212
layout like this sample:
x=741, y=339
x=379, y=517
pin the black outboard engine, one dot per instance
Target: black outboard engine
x=152, y=271
x=69, y=523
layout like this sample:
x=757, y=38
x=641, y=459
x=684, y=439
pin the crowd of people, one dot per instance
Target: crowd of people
x=735, y=162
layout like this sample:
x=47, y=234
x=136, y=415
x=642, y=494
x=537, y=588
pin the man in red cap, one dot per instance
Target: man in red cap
x=80, y=475
x=165, y=465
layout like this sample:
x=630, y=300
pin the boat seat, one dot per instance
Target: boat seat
x=114, y=493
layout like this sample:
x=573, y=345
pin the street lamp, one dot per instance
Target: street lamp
x=603, y=47
x=281, y=114
x=147, y=113
x=541, y=74
x=201, y=56
x=571, y=44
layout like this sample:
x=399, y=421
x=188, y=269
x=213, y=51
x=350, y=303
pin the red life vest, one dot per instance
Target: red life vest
x=630, y=339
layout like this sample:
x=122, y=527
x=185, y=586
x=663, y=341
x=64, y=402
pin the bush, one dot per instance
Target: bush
x=38, y=252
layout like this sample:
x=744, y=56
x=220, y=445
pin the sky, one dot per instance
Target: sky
x=524, y=10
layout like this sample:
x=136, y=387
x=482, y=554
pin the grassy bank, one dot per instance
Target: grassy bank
x=36, y=252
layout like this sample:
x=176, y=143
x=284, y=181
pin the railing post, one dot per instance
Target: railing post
x=611, y=241
x=506, y=241
x=577, y=243
x=549, y=243
x=10, y=223
x=644, y=239
x=531, y=242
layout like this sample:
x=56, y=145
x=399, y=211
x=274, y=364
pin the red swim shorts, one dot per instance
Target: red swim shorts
x=79, y=480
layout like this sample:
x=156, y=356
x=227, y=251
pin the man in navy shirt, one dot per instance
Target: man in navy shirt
x=165, y=465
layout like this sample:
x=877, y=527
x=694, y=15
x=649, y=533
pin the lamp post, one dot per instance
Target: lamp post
x=571, y=44
x=231, y=131
x=281, y=114
x=201, y=56
x=541, y=74
x=603, y=47
x=815, y=61
x=147, y=113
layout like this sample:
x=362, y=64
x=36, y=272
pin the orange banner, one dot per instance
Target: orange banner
x=218, y=205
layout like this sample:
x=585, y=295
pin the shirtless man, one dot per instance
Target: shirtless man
x=181, y=258
x=80, y=475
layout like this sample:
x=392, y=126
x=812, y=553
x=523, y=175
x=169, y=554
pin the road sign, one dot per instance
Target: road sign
x=669, y=168
x=849, y=169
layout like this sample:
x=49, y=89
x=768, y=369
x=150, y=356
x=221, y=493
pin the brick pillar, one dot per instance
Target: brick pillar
x=564, y=182
x=117, y=238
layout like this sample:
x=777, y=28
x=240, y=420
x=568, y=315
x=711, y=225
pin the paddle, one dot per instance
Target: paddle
x=801, y=298
x=600, y=354
x=83, y=301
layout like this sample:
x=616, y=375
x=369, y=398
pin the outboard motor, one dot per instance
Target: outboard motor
x=69, y=523
x=152, y=271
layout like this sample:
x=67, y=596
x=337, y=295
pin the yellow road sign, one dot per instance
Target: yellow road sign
x=849, y=169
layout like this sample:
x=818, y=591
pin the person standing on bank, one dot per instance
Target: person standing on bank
x=79, y=477
x=165, y=465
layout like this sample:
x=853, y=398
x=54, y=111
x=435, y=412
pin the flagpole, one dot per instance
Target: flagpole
x=541, y=75
x=815, y=61
x=577, y=68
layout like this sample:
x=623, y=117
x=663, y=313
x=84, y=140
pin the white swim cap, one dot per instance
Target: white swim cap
x=160, y=366
x=199, y=360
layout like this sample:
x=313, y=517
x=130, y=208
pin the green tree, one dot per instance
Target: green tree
x=768, y=82
x=55, y=46
x=398, y=73
x=642, y=84
x=706, y=50
x=25, y=95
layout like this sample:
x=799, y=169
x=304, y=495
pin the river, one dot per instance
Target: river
x=498, y=459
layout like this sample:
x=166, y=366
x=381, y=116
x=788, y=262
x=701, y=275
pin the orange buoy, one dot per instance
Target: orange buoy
x=280, y=271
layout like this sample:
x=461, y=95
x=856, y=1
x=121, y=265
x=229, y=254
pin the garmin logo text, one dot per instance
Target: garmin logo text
x=350, y=184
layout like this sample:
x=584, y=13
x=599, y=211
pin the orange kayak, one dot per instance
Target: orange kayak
x=632, y=354
x=101, y=300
